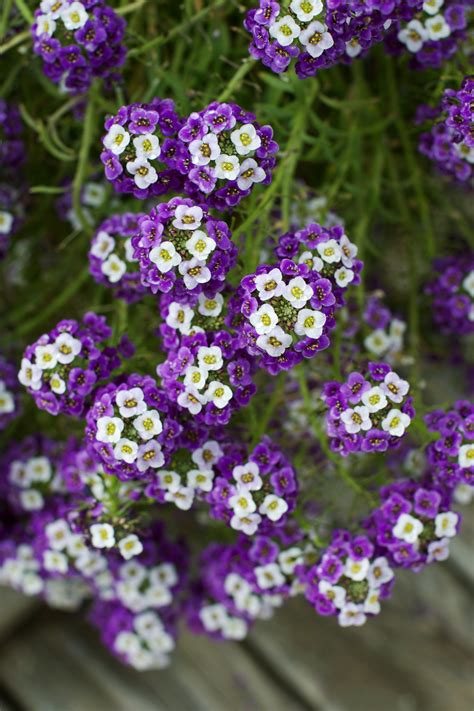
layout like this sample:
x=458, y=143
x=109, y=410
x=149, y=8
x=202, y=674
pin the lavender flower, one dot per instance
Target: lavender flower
x=451, y=456
x=452, y=294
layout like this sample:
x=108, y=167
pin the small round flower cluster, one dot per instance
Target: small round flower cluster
x=349, y=580
x=9, y=400
x=288, y=311
x=129, y=429
x=452, y=294
x=78, y=41
x=319, y=35
x=181, y=248
x=370, y=412
x=226, y=151
x=141, y=154
x=254, y=492
x=433, y=36
x=327, y=251
x=111, y=260
x=386, y=340
x=209, y=376
x=414, y=524
x=450, y=141
x=193, y=313
x=12, y=157
x=62, y=368
x=451, y=456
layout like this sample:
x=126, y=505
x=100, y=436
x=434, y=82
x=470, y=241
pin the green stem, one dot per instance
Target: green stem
x=14, y=41
x=237, y=79
x=86, y=142
x=25, y=11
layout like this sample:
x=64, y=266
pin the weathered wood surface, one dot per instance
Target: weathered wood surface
x=418, y=655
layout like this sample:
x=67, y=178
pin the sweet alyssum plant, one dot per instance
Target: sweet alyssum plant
x=232, y=300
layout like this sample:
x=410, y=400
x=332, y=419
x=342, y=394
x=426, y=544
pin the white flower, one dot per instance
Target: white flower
x=67, y=348
x=356, y=569
x=148, y=424
x=165, y=256
x=103, y=535
x=194, y=272
x=379, y=572
x=235, y=585
x=445, y=524
x=269, y=285
x=275, y=343
x=130, y=546
x=356, y=419
x=53, y=7
x=349, y=251
x=210, y=306
x=351, y=615
x=169, y=480
x=129, y=251
x=285, y=30
x=46, y=357
x=109, y=429
x=39, y=469
x=103, y=245
x=431, y=7
x=242, y=502
x=113, y=268
x=395, y=423
x=76, y=545
x=31, y=584
x=150, y=455
x=316, y=38
x=210, y=358
x=264, y=319
x=179, y=316
x=117, y=139
x=407, y=528
x=126, y=450
x=191, y=400
x=213, y=617
x=182, y=497
x=312, y=262
x=247, y=476
x=200, y=245
x=413, y=36
x=147, y=145
x=274, y=507
x=19, y=475
x=30, y=375
x=147, y=624
x=205, y=149
x=218, y=393
x=377, y=342
x=187, y=218
x=94, y=194
x=372, y=604
x=394, y=387
x=250, y=172
x=468, y=283
x=127, y=643
x=438, y=550
x=74, y=16
x=165, y=574
x=437, y=28
x=248, y=524
x=289, y=559
x=58, y=534
x=143, y=172
x=335, y=593
x=464, y=493
x=234, y=628
x=466, y=153
x=195, y=377
x=55, y=562
x=310, y=323
x=31, y=500
x=330, y=251
x=46, y=25
x=374, y=399
x=269, y=576
x=207, y=455
x=227, y=167
x=305, y=10
x=245, y=139
x=466, y=456
x=298, y=292
x=7, y=401
x=131, y=402
x=343, y=276
x=353, y=48
x=200, y=479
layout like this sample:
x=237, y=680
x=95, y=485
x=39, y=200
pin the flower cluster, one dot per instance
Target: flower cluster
x=111, y=259
x=63, y=368
x=450, y=141
x=181, y=248
x=78, y=41
x=452, y=294
x=319, y=35
x=414, y=523
x=130, y=428
x=9, y=400
x=349, y=580
x=141, y=153
x=433, y=36
x=370, y=412
x=226, y=151
x=327, y=251
x=209, y=376
x=12, y=158
x=288, y=311
x=450, y=457
x=192, y=313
